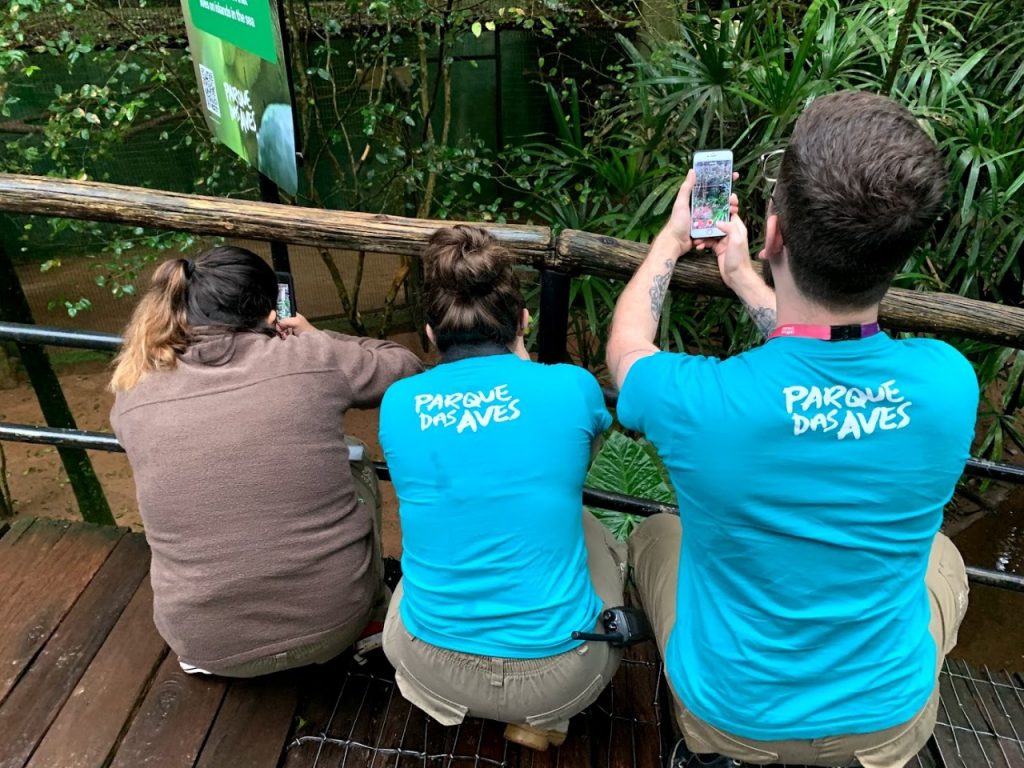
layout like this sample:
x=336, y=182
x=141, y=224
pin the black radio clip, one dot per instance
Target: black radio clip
x=622, y=627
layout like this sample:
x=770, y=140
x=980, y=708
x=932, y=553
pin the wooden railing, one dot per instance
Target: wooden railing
x=557, y=257
x=570, y=252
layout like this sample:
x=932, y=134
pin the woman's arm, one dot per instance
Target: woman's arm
x=368, y=366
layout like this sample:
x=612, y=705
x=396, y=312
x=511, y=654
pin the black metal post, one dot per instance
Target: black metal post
x=554, y=316
x=14, y=307
x=278, y=250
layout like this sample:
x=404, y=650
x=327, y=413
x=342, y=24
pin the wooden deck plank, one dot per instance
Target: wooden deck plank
x=47, y=590
x=489, y=748
x=252, y=724
x=1010, y=694
x=397, y=719
x=647, y=685
x=978, y=727
x=12, y=532
x=466, y=745
x=427, y=736
x=577, y=749
x=318, y=697
x=88, y=726
x=125, y=706
x=635, y=734
x=37, y=538
x=365, y=720
x=39, y=695
x=171, y=725
x=362, y=712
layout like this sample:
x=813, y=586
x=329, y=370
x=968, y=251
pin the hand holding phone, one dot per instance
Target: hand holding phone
x=709, y=203
x=286, y=306
x=293, y=326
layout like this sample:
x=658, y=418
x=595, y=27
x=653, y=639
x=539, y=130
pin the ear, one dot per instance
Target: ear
x=773, y=243
x=524, y=322
x=272, y=317
x=430, y=334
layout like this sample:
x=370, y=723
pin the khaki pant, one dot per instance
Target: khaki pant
x=654, y=552
x=323, y=650
x=544, y=692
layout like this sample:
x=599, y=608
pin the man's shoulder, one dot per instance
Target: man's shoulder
x=942, y=356
x=663, y=360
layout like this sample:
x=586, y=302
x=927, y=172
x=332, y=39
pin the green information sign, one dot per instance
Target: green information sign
x=245, y=24
x=243, y=81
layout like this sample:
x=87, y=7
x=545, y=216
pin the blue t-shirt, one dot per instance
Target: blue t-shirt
x=811, y=478
x=488, y=456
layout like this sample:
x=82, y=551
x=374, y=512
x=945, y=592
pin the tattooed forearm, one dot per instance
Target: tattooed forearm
x=659, y=288
x=763, y=317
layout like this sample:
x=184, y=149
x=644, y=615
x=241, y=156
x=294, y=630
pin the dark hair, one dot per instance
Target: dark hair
x=859, y=186
x=230, y=286
x=225, y=286
x=472, y=291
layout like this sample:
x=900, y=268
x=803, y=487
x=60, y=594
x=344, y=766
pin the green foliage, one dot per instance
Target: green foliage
x=632, y=467
x=739, y=78
x=376, y=106
x=96, y=100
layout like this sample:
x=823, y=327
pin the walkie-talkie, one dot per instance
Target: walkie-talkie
x=622, y=627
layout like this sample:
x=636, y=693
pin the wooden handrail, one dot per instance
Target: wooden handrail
x=944, y=314
x=226, y=217
x=573, y=251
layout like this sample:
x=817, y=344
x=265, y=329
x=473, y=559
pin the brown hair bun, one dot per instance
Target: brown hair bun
x=472, y=291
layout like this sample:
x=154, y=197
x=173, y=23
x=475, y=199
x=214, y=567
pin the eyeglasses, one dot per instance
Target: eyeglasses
x=771, y=165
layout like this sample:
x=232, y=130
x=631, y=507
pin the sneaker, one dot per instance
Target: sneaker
x=372, y=639
x=534, y=738
x=188, y=669
x=684, y=758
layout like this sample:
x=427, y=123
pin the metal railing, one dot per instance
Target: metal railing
x=79, y=439
x=556, y=257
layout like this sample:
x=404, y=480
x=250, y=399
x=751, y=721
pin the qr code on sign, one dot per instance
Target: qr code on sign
x=210, y=90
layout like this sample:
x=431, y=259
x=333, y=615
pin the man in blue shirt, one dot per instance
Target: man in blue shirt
x=804, y=600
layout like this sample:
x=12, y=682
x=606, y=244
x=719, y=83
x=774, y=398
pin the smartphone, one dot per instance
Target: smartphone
x=285, y=296
x=710, y=201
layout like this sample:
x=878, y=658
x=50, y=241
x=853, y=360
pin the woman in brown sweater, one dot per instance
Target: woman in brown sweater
x=266, y=551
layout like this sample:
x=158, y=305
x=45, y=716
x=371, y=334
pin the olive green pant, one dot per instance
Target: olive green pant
x=543, y=692
x=326, y=648
x=654, y=554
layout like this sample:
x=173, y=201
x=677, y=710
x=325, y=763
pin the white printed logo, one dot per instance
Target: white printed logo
x=242, y=110
x=467, y=410
x=847, y=411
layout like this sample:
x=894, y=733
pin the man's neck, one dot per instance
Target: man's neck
x=796, y=310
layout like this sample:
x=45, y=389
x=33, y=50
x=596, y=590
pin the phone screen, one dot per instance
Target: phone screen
x=285, y=296
x=710, y=201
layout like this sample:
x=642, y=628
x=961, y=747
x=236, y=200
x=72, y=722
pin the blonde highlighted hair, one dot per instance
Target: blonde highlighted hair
x=225, y=287
x=158, y=331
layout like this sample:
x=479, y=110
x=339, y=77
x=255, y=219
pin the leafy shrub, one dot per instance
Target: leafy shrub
x=632, y=467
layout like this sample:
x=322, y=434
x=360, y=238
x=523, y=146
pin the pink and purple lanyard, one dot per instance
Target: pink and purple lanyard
x=826, y=332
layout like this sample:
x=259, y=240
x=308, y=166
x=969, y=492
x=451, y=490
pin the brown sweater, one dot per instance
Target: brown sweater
x=245, y=491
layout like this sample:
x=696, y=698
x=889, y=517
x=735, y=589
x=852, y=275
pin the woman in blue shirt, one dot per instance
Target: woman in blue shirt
x=488, y=452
